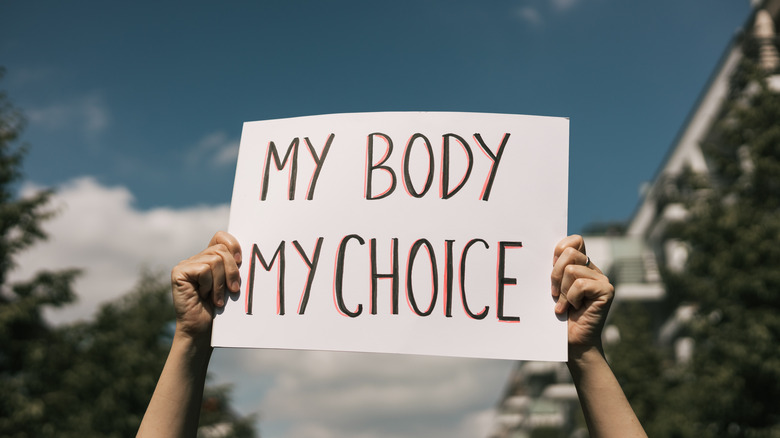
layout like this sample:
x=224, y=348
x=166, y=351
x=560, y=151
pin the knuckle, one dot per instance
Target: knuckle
x=214, y=250
x=211, y=259
x=570, y=252
x=179, y=269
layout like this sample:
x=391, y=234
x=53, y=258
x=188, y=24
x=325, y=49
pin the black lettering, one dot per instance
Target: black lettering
x=318, y=161
x=448, y=278
x=376, y=276
x=493, y=167
x=434, y=273
x=312, y=264
x=445, y=165
x=484, y=312
x=257, y=255
x=280, y=164
x=370, y=166
x=502, y=280
x=407, y=176
x=338, y=286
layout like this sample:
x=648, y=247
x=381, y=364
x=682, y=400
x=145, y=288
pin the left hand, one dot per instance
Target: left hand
x=200, y=285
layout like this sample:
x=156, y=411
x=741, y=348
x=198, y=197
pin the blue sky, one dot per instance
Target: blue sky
x=142, y=94
x=135, y=111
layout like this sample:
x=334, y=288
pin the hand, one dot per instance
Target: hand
x=200, y=283
x=580, y=287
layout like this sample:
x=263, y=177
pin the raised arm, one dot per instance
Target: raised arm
x=586, y=293
x=199, y=285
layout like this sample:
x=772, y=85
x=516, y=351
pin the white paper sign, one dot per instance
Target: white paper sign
x=418, y=233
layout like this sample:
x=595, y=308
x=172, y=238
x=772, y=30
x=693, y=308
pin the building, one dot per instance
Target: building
x=539, y=399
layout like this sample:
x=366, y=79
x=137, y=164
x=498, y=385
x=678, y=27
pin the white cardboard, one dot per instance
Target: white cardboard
x=526, y=204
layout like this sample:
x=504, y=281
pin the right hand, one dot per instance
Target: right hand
x=580, y=287
x=201, y=282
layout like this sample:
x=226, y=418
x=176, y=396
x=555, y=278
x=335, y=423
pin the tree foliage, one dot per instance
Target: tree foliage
x=28, y=346
x=731, y=385
x=92, y=378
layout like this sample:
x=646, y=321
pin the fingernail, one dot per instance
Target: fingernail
x=236, y=286
x=237, y=256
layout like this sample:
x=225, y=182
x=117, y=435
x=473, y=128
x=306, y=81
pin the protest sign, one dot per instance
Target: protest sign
x=400, y=232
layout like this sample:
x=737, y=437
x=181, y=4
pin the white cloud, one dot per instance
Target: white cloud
x=87, y=114
x=530, y=15
x=533, y=16
x=353, y=395
x=216, y=148
x=99, y=230
x=563, y=5
x=297, y=393
x=373, y=387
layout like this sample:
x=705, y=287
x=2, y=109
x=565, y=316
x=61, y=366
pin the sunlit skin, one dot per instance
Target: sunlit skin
x=200, y=284
x=586, y=293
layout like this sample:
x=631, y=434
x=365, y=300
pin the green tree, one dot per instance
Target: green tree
x=83, y=379
x=732, y=272
x=731, y=385
x=638, y=368
x=117, y=359
x=28, y=346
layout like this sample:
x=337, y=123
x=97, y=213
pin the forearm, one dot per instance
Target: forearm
x=175, y=406
x=604, y=404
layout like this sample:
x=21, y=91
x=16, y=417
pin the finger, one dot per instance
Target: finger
x=230, y=242
x=199, y=274
x=561, y=304
x=568, y=256
x=588, y=263
x=567, y=244
x=592, y=292
x=217, y=263
x=192, y=275
x=181, y=277
x=574, y=241
x=226, y=273
x=582, y=283
x=214, y=283
x=232, y=273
